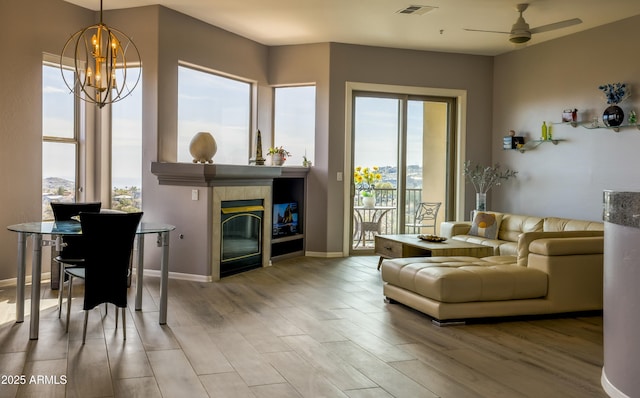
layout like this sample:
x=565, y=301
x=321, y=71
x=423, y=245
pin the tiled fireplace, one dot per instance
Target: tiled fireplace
x=227, y=183
x=235, y=194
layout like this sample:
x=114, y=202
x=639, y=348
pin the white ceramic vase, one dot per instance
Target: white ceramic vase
x=202, y=147
x=369, y=201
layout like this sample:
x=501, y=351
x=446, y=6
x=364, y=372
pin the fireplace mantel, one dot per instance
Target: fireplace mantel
x=208, y=175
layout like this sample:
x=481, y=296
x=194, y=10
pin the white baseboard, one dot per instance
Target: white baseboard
x=179, y=276
x=324, y=254
x=147, y=272
x=609, y=388
x=14, y=281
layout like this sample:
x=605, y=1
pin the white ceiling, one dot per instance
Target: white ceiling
x=377, y=23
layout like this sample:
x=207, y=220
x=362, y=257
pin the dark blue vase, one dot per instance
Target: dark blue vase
x=613, y=116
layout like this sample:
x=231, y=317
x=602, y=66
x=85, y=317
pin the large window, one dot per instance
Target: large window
x=218, y=105
x=295, y=122
x=59, y=139
x=126, y=151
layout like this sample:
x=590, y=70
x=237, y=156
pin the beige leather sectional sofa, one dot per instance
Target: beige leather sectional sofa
x=541, y=266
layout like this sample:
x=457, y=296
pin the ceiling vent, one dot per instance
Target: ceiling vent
x=416, y=10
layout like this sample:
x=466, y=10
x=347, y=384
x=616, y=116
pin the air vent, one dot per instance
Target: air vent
x=416, y=10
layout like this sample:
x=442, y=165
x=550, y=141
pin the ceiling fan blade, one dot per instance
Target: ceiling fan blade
x=486, y=31
x=557, y=25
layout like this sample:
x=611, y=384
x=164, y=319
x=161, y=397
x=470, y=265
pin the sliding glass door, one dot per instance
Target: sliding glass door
x=402, y=154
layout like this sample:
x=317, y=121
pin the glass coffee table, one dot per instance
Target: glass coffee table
x=409, y=245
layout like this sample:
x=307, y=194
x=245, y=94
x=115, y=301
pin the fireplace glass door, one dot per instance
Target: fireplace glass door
x=241, y=235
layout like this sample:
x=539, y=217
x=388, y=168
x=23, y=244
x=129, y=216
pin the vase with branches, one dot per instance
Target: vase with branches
x=483, y=178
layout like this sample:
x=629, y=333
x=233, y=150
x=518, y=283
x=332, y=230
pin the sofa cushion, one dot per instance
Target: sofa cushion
x=494, y=243
x=514, y=224
x=465, y=279
x=556, y=224
x=508, y=249
x=485, y=225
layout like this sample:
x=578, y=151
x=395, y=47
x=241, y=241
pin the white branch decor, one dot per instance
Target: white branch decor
x=483, y=178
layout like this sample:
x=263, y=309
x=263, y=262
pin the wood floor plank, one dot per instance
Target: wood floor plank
x=153, y=335
x=435, y=381
x=88, y=370
x=464, y=374
x=137, y=387
x=203, y=353
x=11, y=364
x=174, y=375
x=45, y=379
x=226, y=385
x=251, y=365
x=386, y=376
x=336, y=370
x=127, y=358
x=302, y=376
x=368, y=393
x=370, y=342
x=283, y=390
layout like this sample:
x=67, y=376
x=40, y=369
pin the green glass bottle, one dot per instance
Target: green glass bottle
x=544, y=131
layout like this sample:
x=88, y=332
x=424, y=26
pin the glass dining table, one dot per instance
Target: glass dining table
x=56, y=230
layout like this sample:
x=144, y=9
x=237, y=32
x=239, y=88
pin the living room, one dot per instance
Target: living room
x=513, y=91
x=517, y=91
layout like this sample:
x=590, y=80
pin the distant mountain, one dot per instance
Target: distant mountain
x=51, y=184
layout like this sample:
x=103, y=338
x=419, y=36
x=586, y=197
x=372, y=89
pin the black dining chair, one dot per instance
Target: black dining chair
x=72, y=254
x=108, y=242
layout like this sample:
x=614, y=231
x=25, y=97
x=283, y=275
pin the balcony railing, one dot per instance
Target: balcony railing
x=387, y=223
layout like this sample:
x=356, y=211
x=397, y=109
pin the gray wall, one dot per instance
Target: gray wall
x=26, y=31
x=536, y=84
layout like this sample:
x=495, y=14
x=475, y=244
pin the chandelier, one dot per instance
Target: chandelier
x=101, y=55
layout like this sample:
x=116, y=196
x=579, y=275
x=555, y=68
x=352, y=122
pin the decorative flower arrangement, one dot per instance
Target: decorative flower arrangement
x=365, y=179
x=484, y=178
x=614, y=92
x=279, y=150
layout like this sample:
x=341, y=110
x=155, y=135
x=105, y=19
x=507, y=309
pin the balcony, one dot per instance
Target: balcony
x=387, y=222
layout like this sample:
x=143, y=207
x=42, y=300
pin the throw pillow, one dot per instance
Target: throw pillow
x=486, y=225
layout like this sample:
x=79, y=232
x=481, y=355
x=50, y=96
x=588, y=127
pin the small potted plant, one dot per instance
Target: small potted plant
x=278, y=155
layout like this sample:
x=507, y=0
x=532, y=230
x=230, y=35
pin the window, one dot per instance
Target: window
x=59, y=139
x=126, y=151
x=295, y=122
x=218, y=105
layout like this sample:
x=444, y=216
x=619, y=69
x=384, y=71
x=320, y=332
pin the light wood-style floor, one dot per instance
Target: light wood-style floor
x=304, y=327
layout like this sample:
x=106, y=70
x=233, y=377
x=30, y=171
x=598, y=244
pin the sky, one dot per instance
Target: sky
x=376, y=131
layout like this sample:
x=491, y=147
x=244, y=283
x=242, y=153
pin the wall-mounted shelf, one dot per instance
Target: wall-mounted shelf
x=591, y=125
x=572, y=124
x=533, y=144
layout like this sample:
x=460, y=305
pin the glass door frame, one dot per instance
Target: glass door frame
x=456, y=150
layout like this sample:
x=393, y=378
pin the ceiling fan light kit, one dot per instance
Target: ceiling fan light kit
x=520, y=37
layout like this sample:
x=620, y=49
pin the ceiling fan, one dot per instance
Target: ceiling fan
x=520, y=31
